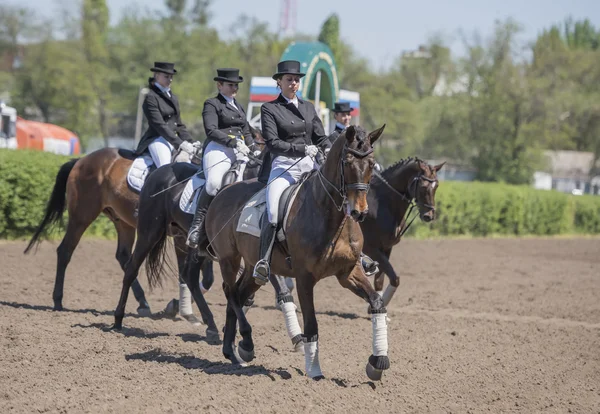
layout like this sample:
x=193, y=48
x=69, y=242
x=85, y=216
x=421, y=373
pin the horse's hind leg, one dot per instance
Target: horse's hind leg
x=147, y=239
x=191, y=275
x=126, y=238
x=75, y=228
x=185, y=295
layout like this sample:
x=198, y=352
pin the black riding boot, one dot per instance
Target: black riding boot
x=262, y=269
x=369, y=265
x=197, y=234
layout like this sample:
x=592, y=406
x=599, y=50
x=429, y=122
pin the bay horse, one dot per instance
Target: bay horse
x=86, y=187
x=323, y=237
x=408, y=183
x=160, y=216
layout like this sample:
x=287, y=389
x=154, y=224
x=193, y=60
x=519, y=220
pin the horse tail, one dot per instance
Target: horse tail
x=56, y=204
x=155, y=262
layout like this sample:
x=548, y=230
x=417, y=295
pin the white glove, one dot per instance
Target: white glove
x=256, y=153
x=311, y=151
x=243, y=148
x=197, y=145
x=187, y=147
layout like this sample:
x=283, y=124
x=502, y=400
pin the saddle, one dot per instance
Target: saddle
x=255, y=211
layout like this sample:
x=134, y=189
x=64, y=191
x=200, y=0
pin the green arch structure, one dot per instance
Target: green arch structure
x=315, y=57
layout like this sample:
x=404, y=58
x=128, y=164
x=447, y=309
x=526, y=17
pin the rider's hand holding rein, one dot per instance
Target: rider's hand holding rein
x=311, y=151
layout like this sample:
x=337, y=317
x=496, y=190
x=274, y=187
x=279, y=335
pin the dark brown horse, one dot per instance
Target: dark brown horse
x=89, y=186
x=323, y=238
x=407, y=183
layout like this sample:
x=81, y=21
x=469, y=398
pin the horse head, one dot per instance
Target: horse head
x=349, y=167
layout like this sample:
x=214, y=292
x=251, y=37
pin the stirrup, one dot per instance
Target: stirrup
x=369, y=268
x=261, y=273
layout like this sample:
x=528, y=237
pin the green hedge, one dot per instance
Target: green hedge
x=486, y=209
x=26, y=182
x=472, y=209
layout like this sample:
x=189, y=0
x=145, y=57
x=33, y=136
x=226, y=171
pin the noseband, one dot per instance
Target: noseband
x=344, y=187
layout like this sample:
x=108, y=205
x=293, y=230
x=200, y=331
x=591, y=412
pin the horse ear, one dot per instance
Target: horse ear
x=257, y=135
x=374, y=135
x=439, y=166
x=350, y=133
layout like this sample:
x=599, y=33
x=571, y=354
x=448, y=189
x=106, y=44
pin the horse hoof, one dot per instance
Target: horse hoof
x=144, y=311
x=373, y=373
x=236, y=359
x=116, y=327
x=191, y=318
x=318, y=378
x=58, y=307
x=246, y=356
x=212, y=335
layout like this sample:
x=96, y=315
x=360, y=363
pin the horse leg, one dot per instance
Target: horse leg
x=185, y=294
x=208, y=276
x=229, y=271
x=191, y=275
x=357, y=282
x=75, y=228
x=383, y=257
x=305, y=289
x=244, y=289
x=126, y=238
x=147, y=238
x=285, y=302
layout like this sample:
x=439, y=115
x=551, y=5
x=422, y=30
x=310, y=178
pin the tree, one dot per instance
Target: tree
x=94, y=29
x=330, y=35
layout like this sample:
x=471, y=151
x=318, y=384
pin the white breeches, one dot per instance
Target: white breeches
x=280, y=180
x=160, y=151
x=216, y=161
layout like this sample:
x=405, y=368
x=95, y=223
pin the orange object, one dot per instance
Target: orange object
x=46, y=137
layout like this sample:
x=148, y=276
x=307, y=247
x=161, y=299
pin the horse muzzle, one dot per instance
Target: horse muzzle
x=359, y=216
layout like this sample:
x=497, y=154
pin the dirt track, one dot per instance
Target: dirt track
x=477, y=326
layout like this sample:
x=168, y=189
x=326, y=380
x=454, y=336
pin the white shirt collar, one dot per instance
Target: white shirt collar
x=294, y=100
x=166, y=91
x=341, y=126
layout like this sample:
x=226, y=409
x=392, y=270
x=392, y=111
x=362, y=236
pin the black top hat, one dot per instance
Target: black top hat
x=342, y=107
x=228, y=75
x=164, y=67
x=288, y=67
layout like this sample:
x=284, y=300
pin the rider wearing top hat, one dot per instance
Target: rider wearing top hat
x=161, y=107
x=227, y=138
x=293, y=132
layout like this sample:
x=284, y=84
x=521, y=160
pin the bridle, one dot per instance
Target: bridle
x=411, y=197
x=344, y=187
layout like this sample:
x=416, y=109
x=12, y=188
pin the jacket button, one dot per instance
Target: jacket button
x=303, y=120
x=292, y=122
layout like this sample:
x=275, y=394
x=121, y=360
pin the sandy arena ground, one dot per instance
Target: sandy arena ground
x=477, y=326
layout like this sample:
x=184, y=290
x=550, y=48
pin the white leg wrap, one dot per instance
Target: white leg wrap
x=311, y=359
x=380, y=342
x=388, y=294
x=291, y=320
x=185, y=300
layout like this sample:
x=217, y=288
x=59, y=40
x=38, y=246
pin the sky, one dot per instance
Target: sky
x=378, y=30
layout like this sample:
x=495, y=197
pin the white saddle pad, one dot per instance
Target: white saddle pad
x=189, y=196
x=252, y=212
x=136, y=176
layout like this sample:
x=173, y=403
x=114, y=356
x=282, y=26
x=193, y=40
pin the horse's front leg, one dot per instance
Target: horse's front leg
x=285, y=302
x=358, y=283
x=305, y=288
